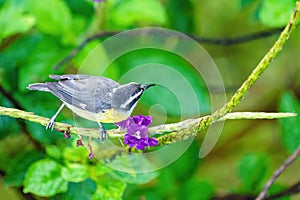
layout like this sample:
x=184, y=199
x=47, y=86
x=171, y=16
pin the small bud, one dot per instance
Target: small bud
x=91, y=155
x=67, y=134
x=79, y=143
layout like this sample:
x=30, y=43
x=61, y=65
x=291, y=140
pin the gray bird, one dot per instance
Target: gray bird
x=95, y=98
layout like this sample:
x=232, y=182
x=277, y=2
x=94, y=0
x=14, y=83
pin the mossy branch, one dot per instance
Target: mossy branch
x=183, y=126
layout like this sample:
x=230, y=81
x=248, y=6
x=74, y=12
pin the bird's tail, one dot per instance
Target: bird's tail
x=39, y=86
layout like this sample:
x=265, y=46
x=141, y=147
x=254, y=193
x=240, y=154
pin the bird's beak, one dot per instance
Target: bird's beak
x=148, y=85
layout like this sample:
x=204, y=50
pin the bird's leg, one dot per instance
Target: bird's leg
x=52, y=120
x=103, y=134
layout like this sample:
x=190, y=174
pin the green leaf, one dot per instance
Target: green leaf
x=99, y=170
x=16, y=170
x=40, y=134
x=252, y=169
x=14, y=20
x=276, y=13
x=136, y=178
x=40, y=61
x=275, y=189
x=182, y=21
x=184, y=165
x=54, y=151
x=75, y=172
x=84, y=8
x=246, y=3
x=8, y=125
x=44, y=178
x=109, y=189
x=17, y=51
x=75, y=154
x=290, y=129
x=132, y=163
x=80, y=191
x=188, y=191
x=53, y=17
x=135, y=12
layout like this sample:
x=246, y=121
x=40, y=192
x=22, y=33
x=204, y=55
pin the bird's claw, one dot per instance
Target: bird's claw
x=50, y=124
x=103, y=134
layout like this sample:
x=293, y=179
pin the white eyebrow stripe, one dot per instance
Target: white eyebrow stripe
x=131, y=99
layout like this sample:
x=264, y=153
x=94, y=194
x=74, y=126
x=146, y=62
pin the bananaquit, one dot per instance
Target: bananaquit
x=95, y=98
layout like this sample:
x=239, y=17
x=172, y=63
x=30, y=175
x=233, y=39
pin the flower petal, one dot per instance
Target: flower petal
x=152, y=142
x=147, y=120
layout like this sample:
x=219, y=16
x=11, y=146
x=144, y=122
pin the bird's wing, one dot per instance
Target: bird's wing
x=92, y=93
x=70, y=77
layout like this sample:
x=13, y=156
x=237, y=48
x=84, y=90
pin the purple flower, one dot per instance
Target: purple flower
x=142, y=120
x=139, y=143
x=136, y=125
x=137, y=128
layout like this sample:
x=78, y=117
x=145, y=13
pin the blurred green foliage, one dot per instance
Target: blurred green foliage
x=35, y=35
x=290, y=132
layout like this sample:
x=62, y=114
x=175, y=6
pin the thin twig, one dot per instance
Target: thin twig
x=75, y=51
x=277, y=173
x=237, y=40
x=10, y=98
x=204, y=40
x=294, y=189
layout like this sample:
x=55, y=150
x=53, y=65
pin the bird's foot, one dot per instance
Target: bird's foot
x=103, y=134
x=51, y=124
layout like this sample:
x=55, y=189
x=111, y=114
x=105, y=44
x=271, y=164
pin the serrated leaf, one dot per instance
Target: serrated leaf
x=276, y=13
x=290, y=129
x=109, y=189
x=75, y=172
x=99, y=170
x=43, y=178
x=80, y=191
x=54, y=151
x=75, y=154
x=128, y=165
x=252, y=169
x=14, y=20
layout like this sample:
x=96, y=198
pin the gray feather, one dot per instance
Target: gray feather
x=69, y=77
x=39, y=86
x=94, y=93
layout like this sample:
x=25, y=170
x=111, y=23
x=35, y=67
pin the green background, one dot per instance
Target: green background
x=36, y=35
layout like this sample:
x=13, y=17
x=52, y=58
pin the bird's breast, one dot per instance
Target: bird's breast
x=108, y=116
